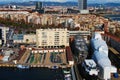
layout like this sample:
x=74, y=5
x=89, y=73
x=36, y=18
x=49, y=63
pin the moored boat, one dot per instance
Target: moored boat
x=23, y=66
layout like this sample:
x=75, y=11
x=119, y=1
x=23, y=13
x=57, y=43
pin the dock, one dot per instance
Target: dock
x=50, y=58
x=35, y=65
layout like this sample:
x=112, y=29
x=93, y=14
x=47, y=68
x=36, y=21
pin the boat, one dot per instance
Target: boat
x=55, y=67
x=23, y=66
x=66, y=72
x=68, y=77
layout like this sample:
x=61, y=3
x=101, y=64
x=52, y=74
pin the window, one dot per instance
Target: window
x=44, y=36
x=43, y=33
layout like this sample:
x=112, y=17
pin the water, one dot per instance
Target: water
x=113, y=17
x=31, y=74
x=116, y=18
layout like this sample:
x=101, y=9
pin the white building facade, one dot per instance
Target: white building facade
x=52, y=37
x=5, y=30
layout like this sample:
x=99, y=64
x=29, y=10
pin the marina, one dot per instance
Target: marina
x=31, y=74
x=40, y=58
x=31, y=66
x=59, y=40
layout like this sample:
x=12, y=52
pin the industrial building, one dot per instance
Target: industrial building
x=6, y=55
x=18, y=38
x=79, y=48
x=24, y=38
x=100, y=56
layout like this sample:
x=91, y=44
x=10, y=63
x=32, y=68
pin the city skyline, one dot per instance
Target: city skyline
x=89, y=1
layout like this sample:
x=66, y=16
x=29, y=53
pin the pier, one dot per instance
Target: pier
x=50, y=58
x=36, y=65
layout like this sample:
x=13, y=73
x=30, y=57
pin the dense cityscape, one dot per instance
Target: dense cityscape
x=42, y=40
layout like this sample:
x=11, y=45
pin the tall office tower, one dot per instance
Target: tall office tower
x=39, y=5
x=82, y=4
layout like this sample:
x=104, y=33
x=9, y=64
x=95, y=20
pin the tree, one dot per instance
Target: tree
x=27, y=40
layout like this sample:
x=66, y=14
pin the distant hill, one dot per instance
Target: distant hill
x=105, y=4
x=113, y=4
x=32, y=3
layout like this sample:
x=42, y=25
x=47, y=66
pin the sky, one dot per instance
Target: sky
x=89, y=1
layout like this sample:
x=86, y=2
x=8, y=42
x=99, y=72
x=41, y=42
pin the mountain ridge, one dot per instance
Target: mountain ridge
x=70, y=3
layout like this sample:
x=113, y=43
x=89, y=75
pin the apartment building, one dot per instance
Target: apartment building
x=52, y=37
x=5, y=31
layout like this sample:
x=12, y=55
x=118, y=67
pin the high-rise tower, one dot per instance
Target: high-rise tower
x=82, y=4
x=39, y=5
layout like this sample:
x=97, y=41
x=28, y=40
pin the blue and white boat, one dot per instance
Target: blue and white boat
x=23, y=66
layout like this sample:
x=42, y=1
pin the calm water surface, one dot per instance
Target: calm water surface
x=31, y=74
x=113, y=17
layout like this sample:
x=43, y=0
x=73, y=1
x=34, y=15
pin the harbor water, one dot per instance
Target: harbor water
x=113, y=17
x=31, y=74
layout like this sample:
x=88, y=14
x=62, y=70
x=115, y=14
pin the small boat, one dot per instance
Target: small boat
x=55, y=67
x=68, y=77
x=23, y=66
x=66, y=72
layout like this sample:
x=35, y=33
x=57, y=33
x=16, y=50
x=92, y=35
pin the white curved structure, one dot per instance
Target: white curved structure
x=102, y=59
x=98, y=44
x=100, y=56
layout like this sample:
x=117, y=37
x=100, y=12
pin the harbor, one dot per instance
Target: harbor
x=40, y=58
x=31, y=66
x=27, y=74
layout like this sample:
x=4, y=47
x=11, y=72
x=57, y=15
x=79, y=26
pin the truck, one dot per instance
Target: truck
x=90, y=67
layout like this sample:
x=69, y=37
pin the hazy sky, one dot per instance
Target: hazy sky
x=96, y=1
